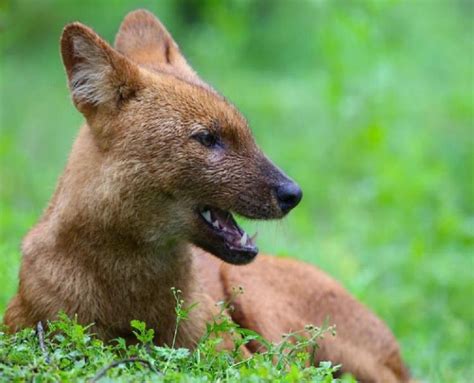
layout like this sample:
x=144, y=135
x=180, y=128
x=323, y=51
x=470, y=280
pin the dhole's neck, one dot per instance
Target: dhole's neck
x=109, y=268
x=94, y=196
x=93, y=213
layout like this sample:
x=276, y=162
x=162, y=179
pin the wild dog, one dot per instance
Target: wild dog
x=145, y=203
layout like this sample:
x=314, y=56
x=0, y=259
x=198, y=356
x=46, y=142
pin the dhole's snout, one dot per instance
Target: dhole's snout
x=288, y=195
x=276, y=194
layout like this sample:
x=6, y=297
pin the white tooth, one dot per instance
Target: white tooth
x=207, y=215
x=243, y=240
x=216, y=224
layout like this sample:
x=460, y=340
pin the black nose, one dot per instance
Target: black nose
x=289, y=195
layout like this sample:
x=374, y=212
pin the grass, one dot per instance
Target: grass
x=368, y=105
x=67, y=352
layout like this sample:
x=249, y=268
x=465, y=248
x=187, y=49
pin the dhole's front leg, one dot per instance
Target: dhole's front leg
x=17, y=316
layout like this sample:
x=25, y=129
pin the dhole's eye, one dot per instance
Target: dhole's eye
x=208, y=139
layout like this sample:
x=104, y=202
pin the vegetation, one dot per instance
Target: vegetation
x=67, y=353
x=367, y=104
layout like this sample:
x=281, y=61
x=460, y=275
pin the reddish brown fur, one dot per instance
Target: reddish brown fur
x=117, y=233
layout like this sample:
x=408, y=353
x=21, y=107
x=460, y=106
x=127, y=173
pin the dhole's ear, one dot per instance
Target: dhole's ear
x=144, y=40
x=98, y=75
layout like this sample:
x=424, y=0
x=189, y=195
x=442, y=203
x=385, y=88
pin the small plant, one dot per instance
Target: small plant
x=144, y=335
x=68, y=352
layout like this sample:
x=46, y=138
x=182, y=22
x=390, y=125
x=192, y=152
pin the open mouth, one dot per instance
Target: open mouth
x=227, y=239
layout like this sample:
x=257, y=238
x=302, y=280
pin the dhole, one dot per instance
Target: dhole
x=145, y=204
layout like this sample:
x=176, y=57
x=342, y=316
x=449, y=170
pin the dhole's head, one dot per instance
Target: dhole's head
x=183, y=154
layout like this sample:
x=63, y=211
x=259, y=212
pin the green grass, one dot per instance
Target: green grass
x=367, y=104
x=67, y=352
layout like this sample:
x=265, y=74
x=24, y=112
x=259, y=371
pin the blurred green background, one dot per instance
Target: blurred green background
x=367, y=104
